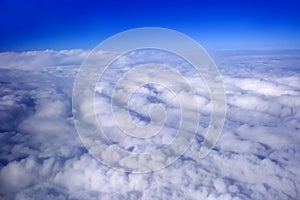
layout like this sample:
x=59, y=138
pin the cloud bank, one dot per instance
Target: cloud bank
x=257, y=156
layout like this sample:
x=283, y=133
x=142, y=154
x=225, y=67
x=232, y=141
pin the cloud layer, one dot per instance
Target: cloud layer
x=257, y=156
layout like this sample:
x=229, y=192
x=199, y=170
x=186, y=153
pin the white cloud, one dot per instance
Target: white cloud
x=257, y=156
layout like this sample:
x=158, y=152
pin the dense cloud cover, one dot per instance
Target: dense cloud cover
x=257, y=156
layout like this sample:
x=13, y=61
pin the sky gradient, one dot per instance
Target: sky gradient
x=38, y=25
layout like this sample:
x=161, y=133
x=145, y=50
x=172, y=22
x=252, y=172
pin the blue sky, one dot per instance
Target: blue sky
x=37, y=25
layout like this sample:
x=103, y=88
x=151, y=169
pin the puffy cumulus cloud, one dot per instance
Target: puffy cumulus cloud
x=41, y=59
x=257, y=156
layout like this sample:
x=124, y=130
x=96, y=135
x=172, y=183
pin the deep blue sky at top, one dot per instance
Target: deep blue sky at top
x=216, y=24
